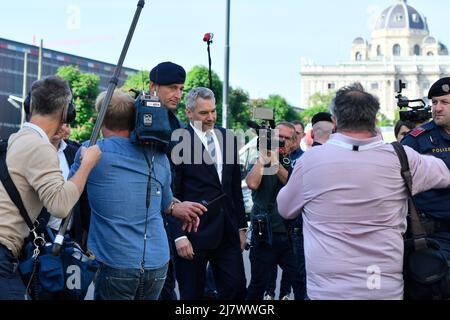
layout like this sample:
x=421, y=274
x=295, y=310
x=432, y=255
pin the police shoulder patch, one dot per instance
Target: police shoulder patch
x=417, y=132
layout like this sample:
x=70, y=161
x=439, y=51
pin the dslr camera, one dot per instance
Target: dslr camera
x=419, y=111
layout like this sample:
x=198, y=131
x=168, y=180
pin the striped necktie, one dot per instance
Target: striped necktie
x=211, y=147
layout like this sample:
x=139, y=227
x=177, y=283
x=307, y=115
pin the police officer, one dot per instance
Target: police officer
x=433, y=138
x=167, y=82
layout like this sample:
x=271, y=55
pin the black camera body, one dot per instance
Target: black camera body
x=266, y=134
x=152, y=125
x=418, y=114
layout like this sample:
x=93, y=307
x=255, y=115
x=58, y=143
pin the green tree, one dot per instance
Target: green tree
x=85, y=90
x=198, y=76
x=283, y=111
x=138, y=81
x=384, y=121
x=320, y=99
x=318, y=102
x=240, y=108
x=307, y=115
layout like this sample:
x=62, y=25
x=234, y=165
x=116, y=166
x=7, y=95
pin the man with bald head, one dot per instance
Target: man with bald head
x=322, y=128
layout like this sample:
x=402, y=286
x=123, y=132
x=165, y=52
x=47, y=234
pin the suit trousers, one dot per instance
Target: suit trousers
x=227, y=267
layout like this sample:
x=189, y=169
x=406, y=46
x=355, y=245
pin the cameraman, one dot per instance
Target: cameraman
x=33, y=165
x=433, y=138
x=127, y=193
x=270, y=242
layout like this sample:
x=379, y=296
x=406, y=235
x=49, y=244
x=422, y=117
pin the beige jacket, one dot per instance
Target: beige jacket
x=34, y=168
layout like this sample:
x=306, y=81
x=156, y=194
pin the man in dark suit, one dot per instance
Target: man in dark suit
x=207, y=171
x=79, y=226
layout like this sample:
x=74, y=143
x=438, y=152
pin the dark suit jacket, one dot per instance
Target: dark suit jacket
x=198, y=182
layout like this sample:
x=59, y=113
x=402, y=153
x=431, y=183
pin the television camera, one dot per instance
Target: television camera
x=420, y=112
x=152, y=125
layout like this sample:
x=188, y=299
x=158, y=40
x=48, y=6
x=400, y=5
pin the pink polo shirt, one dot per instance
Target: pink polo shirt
x=354, y=206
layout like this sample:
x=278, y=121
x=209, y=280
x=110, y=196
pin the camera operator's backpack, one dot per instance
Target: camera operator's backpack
x=425, y=267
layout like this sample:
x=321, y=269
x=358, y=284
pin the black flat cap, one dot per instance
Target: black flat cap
x=321, y=116
x=440, y=88
x=167, y=73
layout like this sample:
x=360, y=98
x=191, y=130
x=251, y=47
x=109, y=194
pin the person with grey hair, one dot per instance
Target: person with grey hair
x=32, y=162
x=354, y=204
x=209, y=173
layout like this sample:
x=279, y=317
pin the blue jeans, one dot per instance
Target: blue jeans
x=11, y=285
x=129, y=284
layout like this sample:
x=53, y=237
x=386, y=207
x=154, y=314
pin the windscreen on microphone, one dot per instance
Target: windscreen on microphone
x=208, y=37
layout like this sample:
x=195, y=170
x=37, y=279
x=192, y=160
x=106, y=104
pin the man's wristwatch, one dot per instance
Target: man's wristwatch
x=172, y=205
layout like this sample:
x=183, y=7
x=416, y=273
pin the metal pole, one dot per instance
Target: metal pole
x=24, y=86
x=40, y=60
x=59, y=239
x=227, y=67
x=209, y=68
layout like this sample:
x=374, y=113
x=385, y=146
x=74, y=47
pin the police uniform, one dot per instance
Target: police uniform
x=429, y=139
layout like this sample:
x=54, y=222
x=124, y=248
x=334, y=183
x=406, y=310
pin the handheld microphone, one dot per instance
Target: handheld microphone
x=208, y=37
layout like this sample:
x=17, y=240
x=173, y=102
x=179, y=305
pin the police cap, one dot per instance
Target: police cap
x=321, y=116
x=440, y=88
x=167, y=73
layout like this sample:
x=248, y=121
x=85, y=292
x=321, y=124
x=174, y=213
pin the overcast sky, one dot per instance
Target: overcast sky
x=268, y=38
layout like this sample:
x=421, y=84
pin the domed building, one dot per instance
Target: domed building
x=401, y=48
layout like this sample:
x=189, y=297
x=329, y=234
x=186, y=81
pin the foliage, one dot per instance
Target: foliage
x=318, y=102
x=283, y=111
x=240, y=109
x=85, y=90
x=138, y=81
x=306, y=116
x=320, y=99
x=384, y=121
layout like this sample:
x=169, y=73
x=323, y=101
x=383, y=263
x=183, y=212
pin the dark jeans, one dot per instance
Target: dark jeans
x=11, y=285
x=285, y=284
x=264, y=257
x=299, y=253
x=129, y=284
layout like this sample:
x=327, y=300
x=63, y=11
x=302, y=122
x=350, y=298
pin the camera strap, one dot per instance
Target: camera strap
x=417, y=229
x=11, y=189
